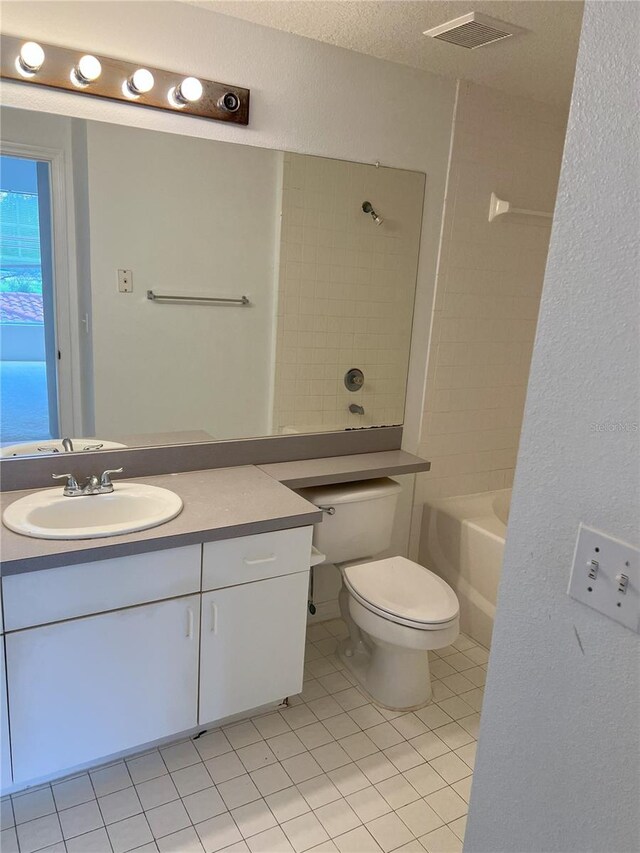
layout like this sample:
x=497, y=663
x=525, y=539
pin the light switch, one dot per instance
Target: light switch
x=606, y=576
x=125, y=281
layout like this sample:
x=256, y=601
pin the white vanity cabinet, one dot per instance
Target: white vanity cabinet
x=85, y=684
x=254, y=614
x=92, y=687
x=108, y=656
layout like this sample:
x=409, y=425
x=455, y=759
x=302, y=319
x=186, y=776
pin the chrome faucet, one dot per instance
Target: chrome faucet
x=94, y=485
x=67, y=445
x=355, y=409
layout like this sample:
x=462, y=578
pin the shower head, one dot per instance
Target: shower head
x=367, y=207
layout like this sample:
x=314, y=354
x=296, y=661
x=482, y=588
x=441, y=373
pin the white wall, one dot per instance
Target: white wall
x=557, y=766
x=488, y=290
x=306, y=96
x=180, y=213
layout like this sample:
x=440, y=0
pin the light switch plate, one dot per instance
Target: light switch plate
x=606, y=576
x=125, y=281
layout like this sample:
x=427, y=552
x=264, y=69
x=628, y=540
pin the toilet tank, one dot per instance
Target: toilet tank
x=362, y=518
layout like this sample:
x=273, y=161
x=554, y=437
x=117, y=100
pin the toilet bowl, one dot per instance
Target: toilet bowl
x=396, y=610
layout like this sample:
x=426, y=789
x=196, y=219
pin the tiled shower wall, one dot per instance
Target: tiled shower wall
x=488, y=290
x=346, y=292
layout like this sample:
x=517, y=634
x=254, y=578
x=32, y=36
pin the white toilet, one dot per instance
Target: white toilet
x=396, y=610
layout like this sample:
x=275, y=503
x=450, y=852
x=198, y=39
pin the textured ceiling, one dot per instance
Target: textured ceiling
x=538, y=64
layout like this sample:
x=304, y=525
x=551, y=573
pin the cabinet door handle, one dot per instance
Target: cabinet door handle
x=270, y=559
x=189, y=623
x=214, y=618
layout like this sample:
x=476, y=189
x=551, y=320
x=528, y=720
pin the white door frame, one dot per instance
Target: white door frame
x=66, y=320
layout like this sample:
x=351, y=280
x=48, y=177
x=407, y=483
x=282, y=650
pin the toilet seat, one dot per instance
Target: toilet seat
x=404, y=592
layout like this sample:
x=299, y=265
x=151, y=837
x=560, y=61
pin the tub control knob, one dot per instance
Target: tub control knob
x=353, y=379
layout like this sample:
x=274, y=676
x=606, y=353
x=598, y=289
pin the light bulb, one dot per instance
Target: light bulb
x=190, y=89
x=86, y=71
x=30, y=59
x=187, y=92
x=141, y=81
x=89, y=68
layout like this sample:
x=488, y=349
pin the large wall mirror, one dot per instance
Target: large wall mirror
x=95, y=216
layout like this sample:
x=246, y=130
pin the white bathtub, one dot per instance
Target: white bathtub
x=462, y=540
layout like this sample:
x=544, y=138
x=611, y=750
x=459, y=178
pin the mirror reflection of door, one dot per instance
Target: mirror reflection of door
x=28, y=351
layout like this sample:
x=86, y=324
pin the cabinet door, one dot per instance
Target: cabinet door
x=85, y=689
x=5, y=754
x=252, y=646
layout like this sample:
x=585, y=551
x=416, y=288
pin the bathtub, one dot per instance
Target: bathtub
x=462, y=541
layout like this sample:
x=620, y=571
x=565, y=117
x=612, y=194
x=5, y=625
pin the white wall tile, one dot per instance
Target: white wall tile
x=346, y=292
x=488, y=290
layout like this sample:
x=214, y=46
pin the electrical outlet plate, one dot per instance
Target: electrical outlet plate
x=125, y=281
x=606, y=576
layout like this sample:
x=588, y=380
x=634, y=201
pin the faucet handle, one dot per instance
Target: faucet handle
x=72, y=483
x=105, y=479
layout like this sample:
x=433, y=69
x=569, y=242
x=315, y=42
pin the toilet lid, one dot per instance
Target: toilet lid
x=403, y=589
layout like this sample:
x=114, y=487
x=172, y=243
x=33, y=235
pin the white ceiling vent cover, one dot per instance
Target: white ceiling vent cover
x=473, y=30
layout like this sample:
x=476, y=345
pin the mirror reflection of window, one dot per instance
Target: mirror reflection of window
x=28, y=401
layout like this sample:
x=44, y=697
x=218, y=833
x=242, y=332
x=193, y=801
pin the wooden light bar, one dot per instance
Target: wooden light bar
x=37, y=63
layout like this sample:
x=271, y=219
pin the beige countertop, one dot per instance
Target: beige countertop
x=221, y=503
x=345, y=469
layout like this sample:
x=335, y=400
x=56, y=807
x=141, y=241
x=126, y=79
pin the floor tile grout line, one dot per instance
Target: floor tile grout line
x=229, y=810
x=180, y=799
x=95, y=793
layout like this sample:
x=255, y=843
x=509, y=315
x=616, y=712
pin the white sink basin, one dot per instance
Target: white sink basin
x=54, y=445
x=130, y=507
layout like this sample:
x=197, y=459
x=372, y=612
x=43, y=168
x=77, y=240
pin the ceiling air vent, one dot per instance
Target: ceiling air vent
x=473, y=30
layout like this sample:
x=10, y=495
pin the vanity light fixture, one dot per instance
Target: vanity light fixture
x=30, y=59
x=140, y=82
x=87, y=71
x=101, y=76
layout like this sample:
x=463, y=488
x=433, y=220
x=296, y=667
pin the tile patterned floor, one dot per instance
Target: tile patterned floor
x=332, y=772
